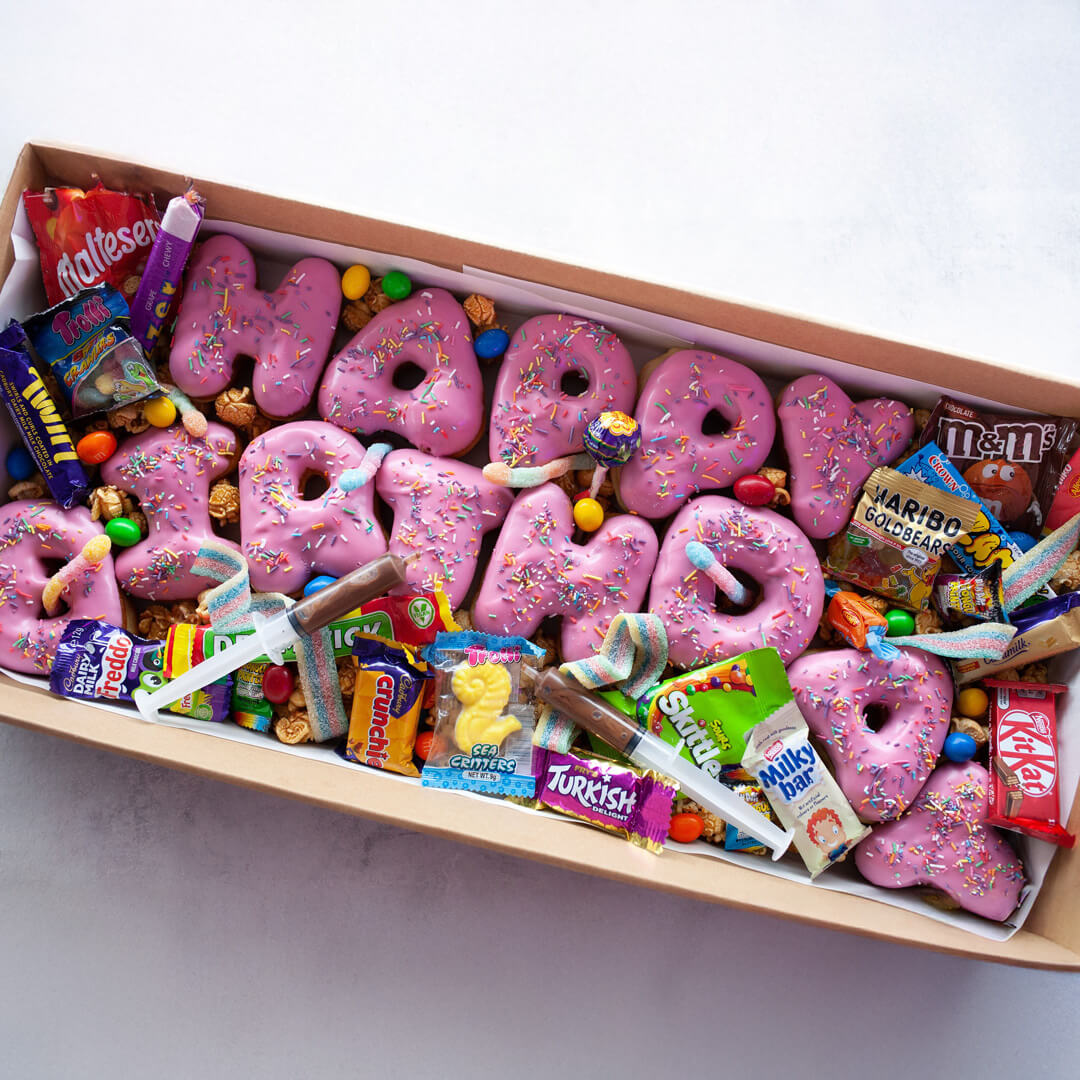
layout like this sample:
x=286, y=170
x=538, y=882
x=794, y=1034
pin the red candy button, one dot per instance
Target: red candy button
x=278, y=683
x=685, y=828
x=423, y=744
x=754, y=490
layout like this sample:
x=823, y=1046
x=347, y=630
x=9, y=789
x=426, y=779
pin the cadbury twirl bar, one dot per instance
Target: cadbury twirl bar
x=38, y=421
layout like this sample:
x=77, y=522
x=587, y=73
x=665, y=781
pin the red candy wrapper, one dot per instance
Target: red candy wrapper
x=1024, y=761
x=91, y=237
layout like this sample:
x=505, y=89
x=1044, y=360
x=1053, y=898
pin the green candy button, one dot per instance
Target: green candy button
x=123, y=532
x=901, y=623
x=396, y=285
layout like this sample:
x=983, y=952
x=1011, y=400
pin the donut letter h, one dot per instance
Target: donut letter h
x=224, y=315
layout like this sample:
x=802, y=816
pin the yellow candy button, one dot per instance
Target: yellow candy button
x=588, y=514
x=355, y=282
x=160, y=412
x=972, y=702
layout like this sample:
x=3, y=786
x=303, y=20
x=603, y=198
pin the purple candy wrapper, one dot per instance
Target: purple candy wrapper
x=1027, y=617
x=99, y=662
x=615, y=797
x=38, y=421
x=165, y=268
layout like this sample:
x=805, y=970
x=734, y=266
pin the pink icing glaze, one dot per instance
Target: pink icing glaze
x=444, y=414
x=943, y=841
x=833, y=445
x=772, y=550
x=223, y=315
x=170, y=473
x=442, y=509
x=532, y=420
x=536, y=571
x=288, y=539
x=677, y=460
x=880, y=772
x=34, y=535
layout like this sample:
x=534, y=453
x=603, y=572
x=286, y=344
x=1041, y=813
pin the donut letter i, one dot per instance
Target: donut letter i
x=170, y=473
x=223, y=315
x=536, y=571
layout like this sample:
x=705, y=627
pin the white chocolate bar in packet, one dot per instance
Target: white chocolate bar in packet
x=801, y=791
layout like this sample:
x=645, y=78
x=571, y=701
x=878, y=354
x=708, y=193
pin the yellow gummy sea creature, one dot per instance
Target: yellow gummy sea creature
x=484, y=690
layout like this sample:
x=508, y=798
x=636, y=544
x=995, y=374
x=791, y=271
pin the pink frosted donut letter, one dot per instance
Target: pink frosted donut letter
x=880, y=772
x=677, y=460
x=769, y=548
x=444, y=414
x=224, y=315
x=286, y=538
x=169, y=472
x=833, y=444
x=533, y=421
x=32, y=535
x=536, y=571
x=943, y=841
x=442, y=509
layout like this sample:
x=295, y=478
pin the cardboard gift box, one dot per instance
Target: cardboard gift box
x=1045, y=932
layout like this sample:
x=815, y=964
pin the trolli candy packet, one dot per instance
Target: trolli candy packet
x=96, y=661
x=87, y=342
x=801, y=791
x=896, y=538
x=90, y=238
x=484, y=718
x=1024, y=770
x=1013, y=463
x=629, y=802
x=39, y=422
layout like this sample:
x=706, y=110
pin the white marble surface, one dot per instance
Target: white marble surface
x=909, y=168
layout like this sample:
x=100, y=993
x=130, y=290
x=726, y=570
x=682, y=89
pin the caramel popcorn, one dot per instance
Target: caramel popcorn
x=259, y=426
x=355, y=315
x=1067, y=579
x=463, y=617
x=154, y=622
x=375, y=298
x=878, y=603
x=346, y=670
x=928, y=622
x=202, y=611
x=236, y=406
x=714, y=826
x=107, y=502
x=131, y=286
x=921, y=418
x=224, y=503
x=130, y=418
x=31, y=488
x=778, y=479
x=293, y=728
x=966, y=726
x=184, y=611
x=1034, y=673
x=583, y=477
x=481, y=311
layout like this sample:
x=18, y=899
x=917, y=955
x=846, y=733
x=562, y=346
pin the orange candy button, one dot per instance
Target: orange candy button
x=96, y=447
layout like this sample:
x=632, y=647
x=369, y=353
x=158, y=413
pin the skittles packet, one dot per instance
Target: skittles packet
x=707, y=713
x=386, y=705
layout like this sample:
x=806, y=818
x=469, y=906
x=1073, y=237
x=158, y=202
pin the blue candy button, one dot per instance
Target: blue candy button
x=491, y=343
x=20, y=465
x=959, y=747
x=317, y=583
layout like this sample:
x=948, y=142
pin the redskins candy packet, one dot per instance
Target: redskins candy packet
x=93, y=237
x=895, y=541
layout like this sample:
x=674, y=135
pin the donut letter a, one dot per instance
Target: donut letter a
x=536, y=571
x=169, y=472
x=224, y=315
